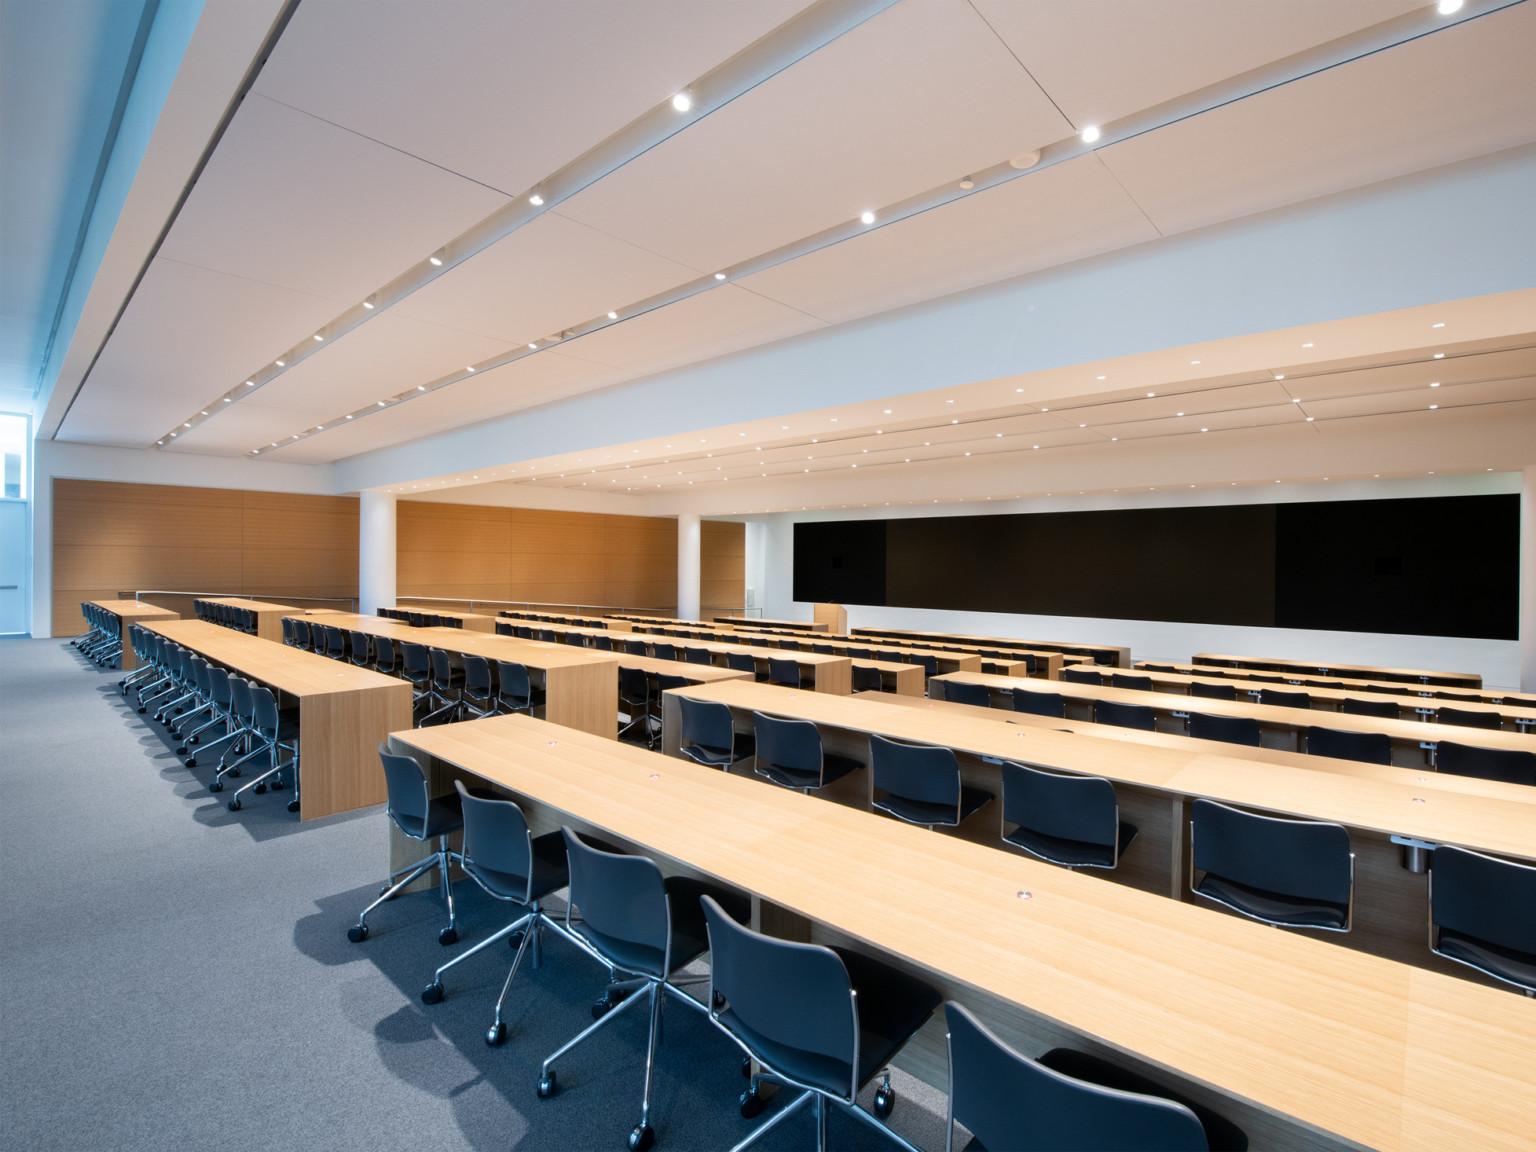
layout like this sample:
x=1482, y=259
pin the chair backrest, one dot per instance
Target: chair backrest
x=922, y=772
x=442, y=667
x=1080, y=675
x=287, y=625
x=1477, y=895
x=634, y=685
x=1213, y=691
x=619, y=896
x=360, y=644
x=1070, y=807
x=790, y=643
x=548, y=635
x=264, y=711
x=406, y=783
x=698, y=656
x=384, y=653
x=787, y=743
x=1512, y=766
x=784, y=671
x=505, y=629
x=1274, y=698
x=740, y=661
x=512, y=683
x=823, y=649
x=1227, y=729
x=496, y=836
x=795, y=995
x=1125, y=715
x=200, y=675
x=1136, y=683
x=930, y=664
x=1151, y=667
x=867, y=679
x=301, y=634
x=477, y=675
x=1039, y=703
x=524, y=632
x=1368, y=747
x=575, y=639
x=336, y=641
x=666, y=651
x=218, y=685
x=707, y=723
x=240, y=703
x=964, y=692
x=603, y=643
x=665, y=683
x=1383, y=709
x=1007, y=1100
x=1468, y=718
x=634, y=647
x=1469, y=697
x=415, y=657
x=1304, y=859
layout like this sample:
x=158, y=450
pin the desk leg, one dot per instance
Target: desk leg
x=835, y=676
x=1178, y=881
x=339, y=734
x=583, y=696
x=671, y=724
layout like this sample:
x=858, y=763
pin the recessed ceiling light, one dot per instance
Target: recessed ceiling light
x=204, y=413
x=866, y=217
x=280, y=364
x=381, y=403
x=1194, y=361
x=1103, y=377
x=368, y=305
x=1434, y=405
x=1434, y=383
x=250, y=383
x=227, y=400
x=1181, y=413
x=349, y=417
x=1279, y=375
x=1090, y=133
x=1295, y=399
x=533, y=346
x=535, y=199
x=186, y=425
x=1310, y=419
x=1439, y=355
x=435, y=261
x=467, y=368
x=318, y=336
x=682, y=101
x=967, y=183
x=1439, y=325
x=613, y=315
x=719, y=275
x=1448, y=7
x=1045, y=409
x=1307, y=345
x=887, y=411
x=1203, y=430
x=1151, y=393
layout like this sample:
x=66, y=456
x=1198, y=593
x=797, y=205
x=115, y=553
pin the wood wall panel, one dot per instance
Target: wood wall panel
x=111, y=539
x=722, y=565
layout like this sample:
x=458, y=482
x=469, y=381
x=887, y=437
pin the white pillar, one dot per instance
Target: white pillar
x=1528, y=580
x=688, y=565
x=376, y=552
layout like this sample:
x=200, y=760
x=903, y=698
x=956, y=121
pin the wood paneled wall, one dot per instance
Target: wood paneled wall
x=472, y=552
x=111, y=539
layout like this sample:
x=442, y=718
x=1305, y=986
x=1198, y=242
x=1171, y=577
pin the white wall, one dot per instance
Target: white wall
x=52, y=459
x=1498, y=661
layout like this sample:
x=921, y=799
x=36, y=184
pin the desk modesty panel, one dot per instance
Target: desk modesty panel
x=344, y=711
x=1305, y=1045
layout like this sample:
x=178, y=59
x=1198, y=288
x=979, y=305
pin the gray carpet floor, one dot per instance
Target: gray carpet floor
x=177, y=976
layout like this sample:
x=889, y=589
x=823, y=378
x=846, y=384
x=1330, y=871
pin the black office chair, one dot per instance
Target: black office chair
x=708, y=735
x=634, y=647
x=1227, y=729
x=1381, y=709
x=1078, y=675
x=1468, y=718
x=524, y=632
x=867, y=679
x=509, y=863
x=335, y=643
x=445, y=691
x=1367, y=747
x=549, y=636
x=386, y=656
x=742, y=662
x=478, y=696
x=1135, y=683
x=635, y=699
x=275, y=731
x=1008, y=1101
x=1213, y=691
x=1464, y=697
x=287, y=625
x=645, y=929
x=1482, y=913
x=1513, y=767
x=921, y=784
x=1151, y=667
x=666, y=651
x=785, y=673
x=514, y=691
x=603, y=643
x=575, y=639
x=965, y=692
x=419, y=816
x=930, y=665
x=1039, y=703
x=1290, y=873
x=1073, y=821
x=1125, y=715
x=824, y=1020
x=505, y=629
x=362, y=649
x=698, y=656
x=1274, y=698
x=789, y=753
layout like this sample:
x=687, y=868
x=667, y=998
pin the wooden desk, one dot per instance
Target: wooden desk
x=1351, y=684
x=1304, y=1045
x=1410, y=738
x=269, y=617
x=344, y=711
x=1303, y=667
x=795, y=625
x=130, y=612
x=611, y=624
x=1118, y=657
x=580, y=686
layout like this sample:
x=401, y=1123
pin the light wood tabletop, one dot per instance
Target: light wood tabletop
x=1303, y=1044
x=1371, y=671
x=1350, y=683
x=344, y=711
x=469, y=621
x=128, y=613
x=1117, y=656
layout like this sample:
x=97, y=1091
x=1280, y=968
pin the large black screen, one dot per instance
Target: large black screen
x=1441, y=566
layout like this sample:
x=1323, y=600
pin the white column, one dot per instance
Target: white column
x=376, y=552
x=688, y=565
x=1528, y=580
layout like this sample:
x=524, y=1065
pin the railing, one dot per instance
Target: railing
x=565, y=607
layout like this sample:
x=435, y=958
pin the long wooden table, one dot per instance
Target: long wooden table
x=1411, y=739
x=469, y=621
x=1350, y=684
x=1304, y=1045
x=1372, y=672
x=1115, y=655
x=344, y=711
x=269, y=617
x=128, y=613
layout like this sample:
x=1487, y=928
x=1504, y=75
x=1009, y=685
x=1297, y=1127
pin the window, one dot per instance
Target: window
x=13, y=457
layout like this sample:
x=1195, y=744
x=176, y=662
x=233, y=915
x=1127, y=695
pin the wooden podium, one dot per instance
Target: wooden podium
x=829, y=618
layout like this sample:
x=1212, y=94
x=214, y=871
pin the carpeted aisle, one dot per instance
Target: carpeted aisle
x=177, y=976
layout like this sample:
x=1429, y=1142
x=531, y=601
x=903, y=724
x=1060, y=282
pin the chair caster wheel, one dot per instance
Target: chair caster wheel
x=752, y=1104
x=546, y=1085
x=448, y=936
x=259, y=789
x=216, y=786
x=195, y=740
x=235, y=772
x=515, y=941
x=278, y=786
x=885, y=1100
x=142, y=711
x=181, y=750
x=192, y=763
x=293, y=805
x=495, y=1035
x=234, y=805
x=746, y=1067
x=641, y=1138
x=432, y=993
x=608, y=1002
x=357, y=933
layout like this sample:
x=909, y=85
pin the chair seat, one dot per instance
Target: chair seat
x=928, y=814
x=892, y=1006
x=444, y=814
x=1505, y=963
x=1272, y=906
x=833, y=768
x=550, y=873
x=744, y=746
x=1072, y=853
x=1220, y=1133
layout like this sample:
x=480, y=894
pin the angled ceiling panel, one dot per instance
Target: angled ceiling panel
x=1191, y=424
x=921, y=94
x=503, y=91
x=1444, y=398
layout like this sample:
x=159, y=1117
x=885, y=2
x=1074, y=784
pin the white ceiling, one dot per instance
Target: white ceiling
x=378, y=133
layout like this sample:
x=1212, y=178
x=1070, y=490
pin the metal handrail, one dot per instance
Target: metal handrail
x=142, y=592
x=564, y=605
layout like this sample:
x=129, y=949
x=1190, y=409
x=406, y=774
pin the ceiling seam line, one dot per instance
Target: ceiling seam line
x=1110, y=172
x=1022, y=66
